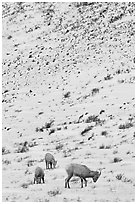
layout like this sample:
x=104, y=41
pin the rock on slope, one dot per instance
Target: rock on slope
x=68, y=88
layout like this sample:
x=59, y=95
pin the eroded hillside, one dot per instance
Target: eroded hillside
x=68, y=73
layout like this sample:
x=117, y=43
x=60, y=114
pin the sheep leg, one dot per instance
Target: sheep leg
x=81, y=182
x=67, y=181
x=85, y=181
x=46, y=164
x=43, y=179
x=37, y=180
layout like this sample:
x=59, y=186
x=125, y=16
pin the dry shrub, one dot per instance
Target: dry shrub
x=105, y=147
x=23, y=148
x=86, y=130
x=80, y=4
x=104, y=133
x=119, y=176
x=5, y=151
x=117, y=159
x=39, y=129
x=108, y=77
x=67, y=95
x=59, y=146
x=46, y=126
x=49, y=124
x=30, y=163
x=91, y=118
x=32, y=144
x=96, y=119
x=51, y=131
x=26, y=185
x=67, y=153
x=5, y=161
x=115, y=152
x=95, y=91
x=27, y=172
x=122, y=178
x=102, y=146
x=126, y=125
x=54, y=192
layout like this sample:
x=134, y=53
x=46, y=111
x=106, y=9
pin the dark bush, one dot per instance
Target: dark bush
x=6, y=161
x=51, y=131
x=108, y=77
x=32, y=144
x=67, y=153
x=39, y=129
x=54, y=192
x=86, y=130
x=46, y=126
x=5, y=151
x=104, y=133
x=119, y=176
x=67, y=95
x=94, y=118
x=125, y=126
x=58, y=128
x=115, y=18
x=102, y=146
x=26, y=185
x=80, y=4
x=30, y=163
x=59, y=146
x=95, y=91
x=105, y=147
x=49, y=124
x=23, y=148
x=117, y=159
x=9, y=37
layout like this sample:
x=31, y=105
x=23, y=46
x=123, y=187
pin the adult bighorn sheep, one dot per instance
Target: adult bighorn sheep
x=39, y=174
x=50, y=161
x=81, y=171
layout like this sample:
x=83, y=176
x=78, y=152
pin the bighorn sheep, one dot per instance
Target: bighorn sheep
x=81, y=171
x=39, y=174
x=50, y=161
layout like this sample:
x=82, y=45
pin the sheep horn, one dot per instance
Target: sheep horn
x=99, y=172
